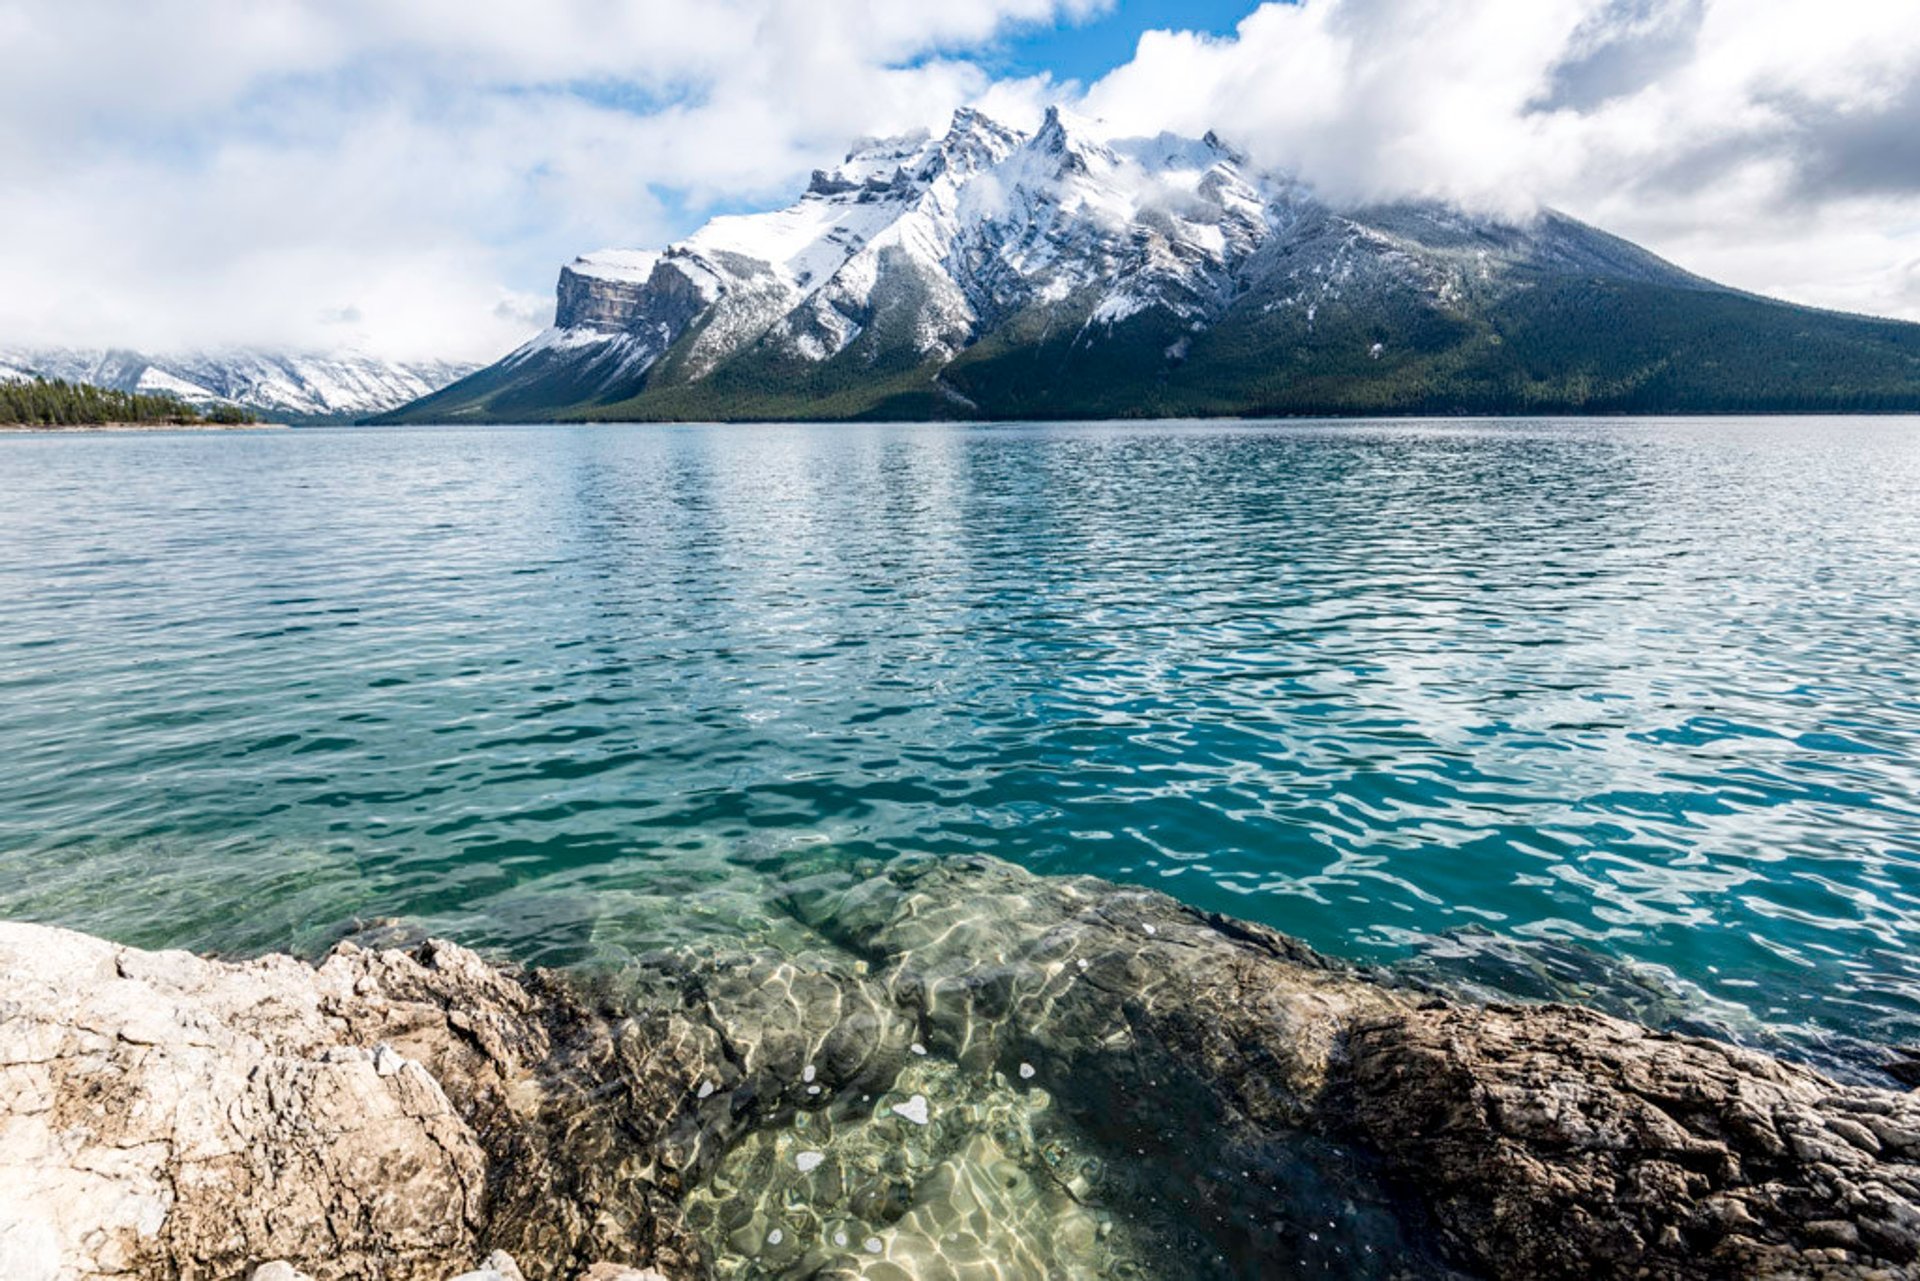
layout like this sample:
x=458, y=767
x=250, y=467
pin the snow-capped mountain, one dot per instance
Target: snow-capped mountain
x=1069, y=272
x=290, y=385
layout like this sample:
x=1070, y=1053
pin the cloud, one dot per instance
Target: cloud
x=193, y=172
x=407, y=176
x=1622, y=48
x=1769, y=143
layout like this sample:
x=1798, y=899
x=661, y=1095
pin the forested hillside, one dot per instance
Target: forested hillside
x=54, y=403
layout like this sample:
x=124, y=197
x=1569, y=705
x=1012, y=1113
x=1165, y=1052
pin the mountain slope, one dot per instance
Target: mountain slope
x=989, y=273
x=289, y=386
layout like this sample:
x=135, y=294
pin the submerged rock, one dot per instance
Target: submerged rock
x=1555, y=1141
x=1215, y=1090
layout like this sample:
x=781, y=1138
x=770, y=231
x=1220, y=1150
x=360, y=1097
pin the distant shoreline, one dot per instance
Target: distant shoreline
x=147, y=426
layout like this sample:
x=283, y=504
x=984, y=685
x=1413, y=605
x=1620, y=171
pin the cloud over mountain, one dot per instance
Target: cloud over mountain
x=1766, y=142
x=405, y=177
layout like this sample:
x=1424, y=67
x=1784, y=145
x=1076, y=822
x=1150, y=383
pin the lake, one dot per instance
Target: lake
x=1628, y=710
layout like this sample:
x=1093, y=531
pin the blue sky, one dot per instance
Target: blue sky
x=1066, y=49
x=406, y=176
x=1087, y=49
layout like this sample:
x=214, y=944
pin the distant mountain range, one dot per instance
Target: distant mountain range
x=282, y=386
x=989, y=273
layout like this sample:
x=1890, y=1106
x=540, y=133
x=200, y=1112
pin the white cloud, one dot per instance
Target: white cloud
x=1768, y=143
x=406, y=175
x=186, y=172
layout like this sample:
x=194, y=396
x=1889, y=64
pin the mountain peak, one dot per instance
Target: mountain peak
x=975, y=140
x=1062, y=128
x=1077, y=271
x=970, y=120
x=1214, y=142
x=971, y=125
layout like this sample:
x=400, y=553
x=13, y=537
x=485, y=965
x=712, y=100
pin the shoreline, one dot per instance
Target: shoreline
x=170, y=1114
x=1366, y=420
x=76, y=428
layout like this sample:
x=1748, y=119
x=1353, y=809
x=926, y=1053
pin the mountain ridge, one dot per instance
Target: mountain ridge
x=297, y=386
x=1069, y=273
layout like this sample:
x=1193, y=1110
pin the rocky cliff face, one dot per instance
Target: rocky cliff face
x=1038, y=1068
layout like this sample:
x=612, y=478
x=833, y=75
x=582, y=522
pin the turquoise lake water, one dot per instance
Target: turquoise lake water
x=1630, y=706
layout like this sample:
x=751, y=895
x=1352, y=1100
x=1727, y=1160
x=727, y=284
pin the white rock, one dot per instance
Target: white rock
x=809, y=1161
x=499, y=1266
x=619, y=1272
x=218, y=1071
x=914, y=1109
x=278, y=1270
x=502, y=1262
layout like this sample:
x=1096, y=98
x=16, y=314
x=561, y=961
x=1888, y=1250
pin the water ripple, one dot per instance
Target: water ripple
x=1458, y=692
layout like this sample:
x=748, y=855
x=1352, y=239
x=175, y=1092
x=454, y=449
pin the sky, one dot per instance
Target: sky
x=405, y=177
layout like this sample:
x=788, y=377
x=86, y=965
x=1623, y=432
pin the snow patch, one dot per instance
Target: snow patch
x=634, y=265
x=1116, y=307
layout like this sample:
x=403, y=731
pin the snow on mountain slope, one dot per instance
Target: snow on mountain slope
x=920, y=257
x=984, y=219
x=984, y=222
x=294, y=385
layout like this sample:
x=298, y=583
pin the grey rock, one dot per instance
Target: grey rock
x=1557, y=1142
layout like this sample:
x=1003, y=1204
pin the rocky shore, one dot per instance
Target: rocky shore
x=964, y=1064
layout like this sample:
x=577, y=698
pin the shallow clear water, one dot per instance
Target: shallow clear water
x=1634, y=692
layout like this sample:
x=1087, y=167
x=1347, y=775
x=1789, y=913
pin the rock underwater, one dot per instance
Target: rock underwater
x=970, y=1071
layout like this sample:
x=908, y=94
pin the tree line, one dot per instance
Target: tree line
x=46, y=402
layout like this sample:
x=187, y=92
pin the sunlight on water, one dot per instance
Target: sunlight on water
x=1533, y=705
x=945, y=1175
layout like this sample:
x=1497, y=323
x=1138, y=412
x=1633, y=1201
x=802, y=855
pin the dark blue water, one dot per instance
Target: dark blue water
x=1646, y=693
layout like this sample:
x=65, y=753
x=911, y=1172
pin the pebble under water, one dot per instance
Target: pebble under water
x=1621, y=710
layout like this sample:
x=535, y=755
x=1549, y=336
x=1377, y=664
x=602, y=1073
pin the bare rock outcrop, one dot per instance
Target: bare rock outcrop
x=382, y=1116
x=397, y=1114
x=166, y=1115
